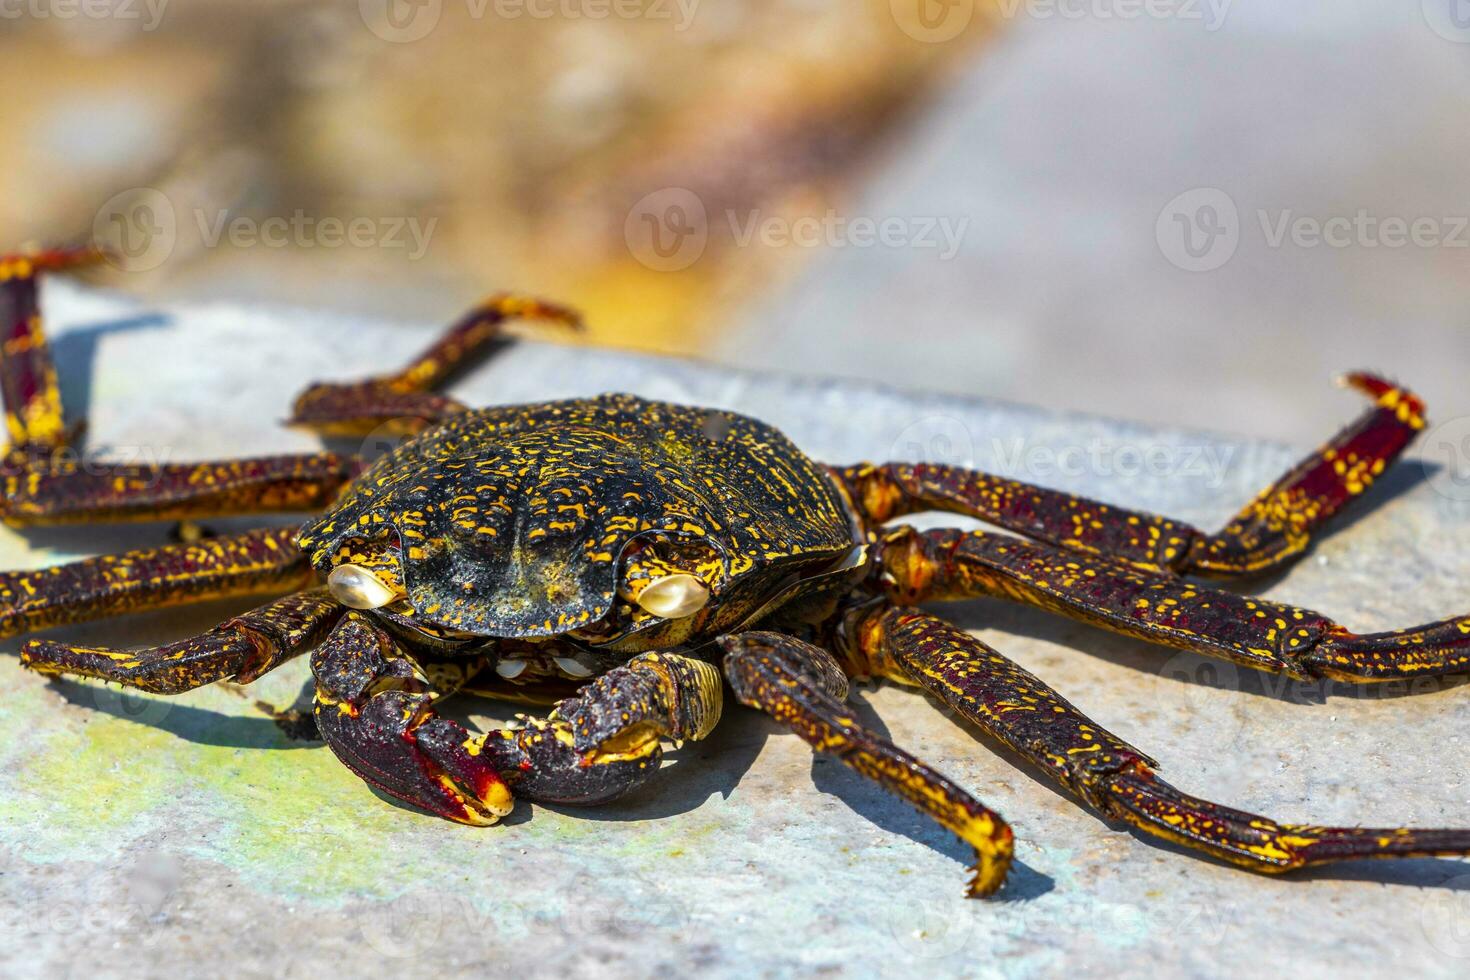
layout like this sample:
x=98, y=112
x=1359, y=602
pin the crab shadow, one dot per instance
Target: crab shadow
x=1426, y=872
x=75, y=354
x=716, y=766
x=172, y=714
x=1197, y=669
x=1175, y=666
x=689, y=777
x=202, y=726
x=895, y=816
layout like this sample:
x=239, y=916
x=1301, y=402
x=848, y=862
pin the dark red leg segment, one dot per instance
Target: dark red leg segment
x=42, y=485
x=240, y=649
x=1014, y=706
x=1273, y=636
x=151, y=578
x=406, y=399
x=33, y=416
x=1275, y=528
x=69, y=491
x=803, y=687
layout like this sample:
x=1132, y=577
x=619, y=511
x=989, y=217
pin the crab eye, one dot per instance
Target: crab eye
x=358, y=588
x=673, y=596
x=670, y=579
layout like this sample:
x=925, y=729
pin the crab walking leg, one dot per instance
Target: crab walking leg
x=66, y=491
x=151, y=578
x=33, y=416
x=405, y=400
x=1271, y=636
x=1273, y=529
x=802, y=687
x=38, y=485
x=240, y=649
x=377, y=715
x=1014, y=706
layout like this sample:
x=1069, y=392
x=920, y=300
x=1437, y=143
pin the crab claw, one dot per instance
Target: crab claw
x=375, y=714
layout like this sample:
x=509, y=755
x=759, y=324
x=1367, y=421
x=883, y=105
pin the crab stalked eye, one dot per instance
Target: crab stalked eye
x=670, y=580
x=673, y=596
x=358, y=588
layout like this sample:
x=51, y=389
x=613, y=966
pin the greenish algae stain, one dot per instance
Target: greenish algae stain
x=90, y=785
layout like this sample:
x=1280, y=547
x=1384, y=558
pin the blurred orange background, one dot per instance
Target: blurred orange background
x=516, y=138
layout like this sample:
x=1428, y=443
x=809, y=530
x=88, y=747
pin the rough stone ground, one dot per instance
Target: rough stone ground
x=145, y=836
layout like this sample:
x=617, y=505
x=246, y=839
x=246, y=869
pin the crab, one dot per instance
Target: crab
x=627, y=561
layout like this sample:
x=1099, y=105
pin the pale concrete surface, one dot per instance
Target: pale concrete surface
x=1061, y=148
x=160, y=837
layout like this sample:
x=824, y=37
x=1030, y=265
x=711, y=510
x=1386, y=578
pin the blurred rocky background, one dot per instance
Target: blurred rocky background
x=229, y=146
x=1177, y=211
